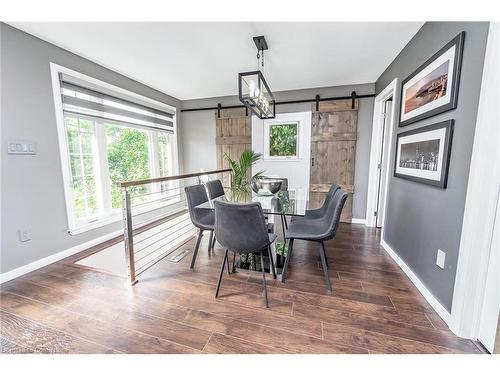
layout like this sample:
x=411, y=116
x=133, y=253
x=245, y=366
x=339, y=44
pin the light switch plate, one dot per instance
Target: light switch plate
x=441, y=257
x=21, y=148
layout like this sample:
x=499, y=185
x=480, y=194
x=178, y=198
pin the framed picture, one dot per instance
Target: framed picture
x=433, y=87
x=281, y=140
x=423, y=155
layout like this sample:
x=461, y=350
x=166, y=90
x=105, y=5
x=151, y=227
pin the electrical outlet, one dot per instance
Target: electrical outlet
x=441, y=257
x=23, y=235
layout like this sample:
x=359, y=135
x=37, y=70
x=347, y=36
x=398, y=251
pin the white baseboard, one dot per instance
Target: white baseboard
x=23, y=270
x=358, y=221
x=426, y=293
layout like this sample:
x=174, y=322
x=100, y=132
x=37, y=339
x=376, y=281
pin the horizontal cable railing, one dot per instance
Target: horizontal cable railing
x=156, y=219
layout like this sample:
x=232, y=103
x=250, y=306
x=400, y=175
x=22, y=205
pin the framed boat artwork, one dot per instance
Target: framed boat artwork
x=433, y=87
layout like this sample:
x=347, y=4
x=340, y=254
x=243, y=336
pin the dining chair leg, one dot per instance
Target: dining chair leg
x=325, y=266
x=287, y=260
x=220, y=274
x=228, y=270
x=264, y=277
x=234, y=261
x=286, y=223
x=213, y=243
x=211, y=240
x=200, y=234
x=271, y=261
x=283, y=226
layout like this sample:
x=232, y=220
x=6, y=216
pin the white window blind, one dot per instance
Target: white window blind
x=81, y=100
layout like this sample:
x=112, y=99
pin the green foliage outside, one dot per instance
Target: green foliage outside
x=283, y=140
x=128, y=159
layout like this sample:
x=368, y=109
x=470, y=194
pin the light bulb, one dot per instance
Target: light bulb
x=251, y=87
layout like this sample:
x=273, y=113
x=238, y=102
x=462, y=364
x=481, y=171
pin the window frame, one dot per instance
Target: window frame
x=267, y=130
x=75, y=226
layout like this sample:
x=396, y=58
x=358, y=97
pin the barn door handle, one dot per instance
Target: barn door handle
x=312, y=162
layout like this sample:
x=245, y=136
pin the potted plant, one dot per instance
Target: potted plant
x=240, y=182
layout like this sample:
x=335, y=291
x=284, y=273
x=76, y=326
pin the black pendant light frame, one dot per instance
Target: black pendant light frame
x=248, y=101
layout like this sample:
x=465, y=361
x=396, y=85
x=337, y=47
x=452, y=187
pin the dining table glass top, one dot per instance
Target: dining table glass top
x=286, y=203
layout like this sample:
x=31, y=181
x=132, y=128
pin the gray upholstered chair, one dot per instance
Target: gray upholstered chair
x=318, y=230
x=318, y=213
x=215, y=189
x=203, y=219
x=241, y=228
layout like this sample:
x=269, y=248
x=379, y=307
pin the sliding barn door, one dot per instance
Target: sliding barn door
x=233, y=136
x=333, y=149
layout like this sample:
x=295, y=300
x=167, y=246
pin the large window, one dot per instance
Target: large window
x=106, y=141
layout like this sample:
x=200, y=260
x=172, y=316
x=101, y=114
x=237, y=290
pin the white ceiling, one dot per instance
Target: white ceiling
x=191, y=60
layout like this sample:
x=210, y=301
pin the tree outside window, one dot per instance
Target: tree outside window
x=283, y=140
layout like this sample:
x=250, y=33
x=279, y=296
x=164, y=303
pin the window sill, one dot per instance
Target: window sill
x=116, y=217
x=94, y=225
x=282, y=158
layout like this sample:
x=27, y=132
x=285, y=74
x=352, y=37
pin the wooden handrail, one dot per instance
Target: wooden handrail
x=170, y=178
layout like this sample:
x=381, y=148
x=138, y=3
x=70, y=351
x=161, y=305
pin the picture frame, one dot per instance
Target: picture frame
x=271, y=154
x=433, y=87
x=423, y=154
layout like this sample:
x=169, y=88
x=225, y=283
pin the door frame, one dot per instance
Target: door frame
x=376, y=148
x=481, y=200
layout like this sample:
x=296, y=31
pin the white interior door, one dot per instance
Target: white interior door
x=383, y=163
x=491, y=303
x=296, y=169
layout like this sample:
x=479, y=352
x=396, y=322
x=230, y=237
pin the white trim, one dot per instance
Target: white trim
x=482, y=192
x=33, y=266
x=426, y=293
x=358, y=221
x=377, y=131
x=61, y=135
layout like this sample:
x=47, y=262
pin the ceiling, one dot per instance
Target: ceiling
x=190, y=60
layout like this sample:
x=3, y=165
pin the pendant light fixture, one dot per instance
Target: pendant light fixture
x=253, y=89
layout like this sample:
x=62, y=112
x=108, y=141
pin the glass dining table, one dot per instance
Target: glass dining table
x=283, y=204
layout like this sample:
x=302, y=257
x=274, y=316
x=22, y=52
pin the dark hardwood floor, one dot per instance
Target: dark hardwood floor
x=374, y=308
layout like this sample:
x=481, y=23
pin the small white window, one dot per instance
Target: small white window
x=281, y=140
x=106, y=140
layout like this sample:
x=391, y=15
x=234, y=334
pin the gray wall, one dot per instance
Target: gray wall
x=420, y=218
x=32, y=186
x=199, y=132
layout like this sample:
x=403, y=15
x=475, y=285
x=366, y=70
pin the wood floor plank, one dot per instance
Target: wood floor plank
x=319, y=305
x=278, y=339
x=40, y=339
x=9, y=347
x=390, y=327
x=374, y=307
x=151, y=301
x=159, y=327
x=378, y=342
x=123, y=340
x=222, y=344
